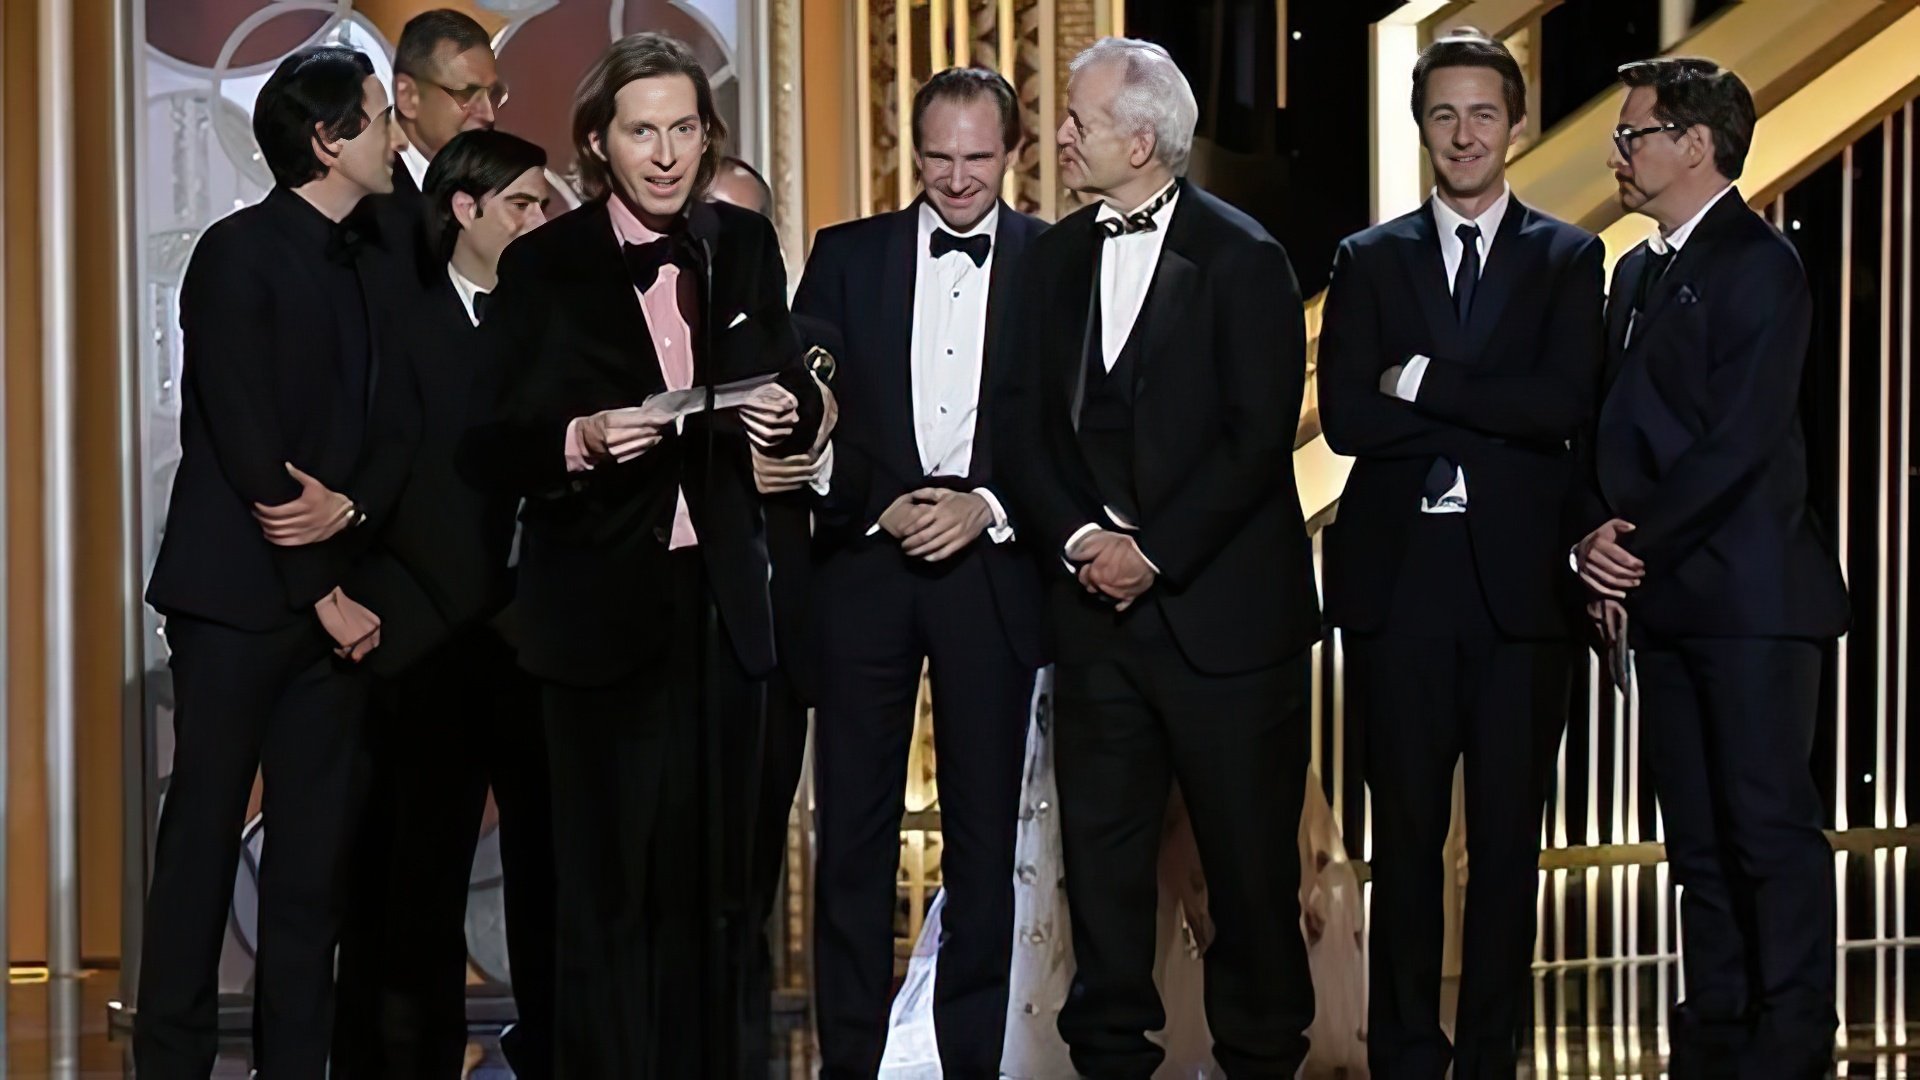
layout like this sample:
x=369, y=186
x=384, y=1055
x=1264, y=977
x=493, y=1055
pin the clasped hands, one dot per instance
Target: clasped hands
x=936, y=523
x=776, y=475
x=1609, y=570
x=315, y=516
x=1111, y=563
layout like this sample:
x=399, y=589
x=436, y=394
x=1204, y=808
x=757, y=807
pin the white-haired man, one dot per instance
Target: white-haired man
x=1165, y=359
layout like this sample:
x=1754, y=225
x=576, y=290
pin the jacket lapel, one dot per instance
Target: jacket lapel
x=899, y=267
x=1009, y=240
x=1679, y=275
x=1170, y=295
x=1506, y=264
x=619, y=321
x=1428, y=271
x=1619, y=307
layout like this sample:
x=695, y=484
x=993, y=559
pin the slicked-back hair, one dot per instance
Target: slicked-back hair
x=632, y=58
x=320, y=85
x=1466, y=47
x=477, y=163
x=966, y=84
x=424, y=34
x=1687, y=91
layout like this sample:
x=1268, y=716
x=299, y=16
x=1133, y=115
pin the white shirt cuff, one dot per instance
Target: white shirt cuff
x=1066, y=553
x=1411, y=376
x=1000, y=531
x=822, y=480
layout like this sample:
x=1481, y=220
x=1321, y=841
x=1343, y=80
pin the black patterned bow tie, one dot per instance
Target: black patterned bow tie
x=975, y=247
x=480, y=306
x=644, y=261
x=1140, y=220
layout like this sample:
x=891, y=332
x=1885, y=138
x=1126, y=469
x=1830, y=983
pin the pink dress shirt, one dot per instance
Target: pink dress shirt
x=672, y=343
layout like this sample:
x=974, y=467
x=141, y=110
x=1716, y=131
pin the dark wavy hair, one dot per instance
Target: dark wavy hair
x=1466, y=47
x=479, y=163
x=632, y=58
x=321, y=86
x=1687, y=91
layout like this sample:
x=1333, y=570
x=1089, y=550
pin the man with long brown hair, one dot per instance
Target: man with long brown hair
x=642, y=588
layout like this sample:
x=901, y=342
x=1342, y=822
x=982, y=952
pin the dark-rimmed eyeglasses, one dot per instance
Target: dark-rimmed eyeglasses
x=469, y=97
x=1623, y=136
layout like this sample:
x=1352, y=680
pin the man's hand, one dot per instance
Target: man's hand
x=953, y=520
x=773, y=476
x=770, y=414
x=829, y=416
x=907, y=513
x=354, y=629
x=315, y=517
x=1610, y=619
x=1113, y=564
x=616, y=435
x=1608, y=568
x=1390, y=380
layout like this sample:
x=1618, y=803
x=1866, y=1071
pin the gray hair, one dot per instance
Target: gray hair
x=1154, y=96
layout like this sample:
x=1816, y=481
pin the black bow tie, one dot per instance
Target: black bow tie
x=1140, y=220
x=479, y=306
x=974, y=247
x=644, y=261
x=345, y=241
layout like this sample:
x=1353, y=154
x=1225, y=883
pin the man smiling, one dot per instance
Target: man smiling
x=921, y=566
x=1458, y=358
x=642, y=590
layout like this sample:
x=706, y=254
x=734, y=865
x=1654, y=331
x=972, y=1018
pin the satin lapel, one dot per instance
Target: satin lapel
x=1428, y=272
x=899, y=269
x=1619, y=307
x=1079, y=293
x=1507, y=262
x=616, y=317
x=1009, y=240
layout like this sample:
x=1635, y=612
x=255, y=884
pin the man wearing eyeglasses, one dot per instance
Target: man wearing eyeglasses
x=1701, y=541
x=444, y=83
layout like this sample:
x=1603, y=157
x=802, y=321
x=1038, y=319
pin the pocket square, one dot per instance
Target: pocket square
x=737, y=320
x=1686, y=295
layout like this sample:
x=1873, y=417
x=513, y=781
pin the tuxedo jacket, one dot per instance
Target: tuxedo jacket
x=860, y=281
x=263, y=386
x=1698, y=441
x=1503, y=397
x=440, y=562
x=1217, y=387
x=572, y=340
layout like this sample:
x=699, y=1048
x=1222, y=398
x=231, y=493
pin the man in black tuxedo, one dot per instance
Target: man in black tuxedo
x=922, y=567
x=1704, y=555
x=1447, y=566
x=298, y=418
x=452, y=713
x=642, y=595
x=1163, y=353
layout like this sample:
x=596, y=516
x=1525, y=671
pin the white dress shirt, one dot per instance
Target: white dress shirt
x=1127, y=263
x=416, y=164
x=1447, y=222
x=466, y=290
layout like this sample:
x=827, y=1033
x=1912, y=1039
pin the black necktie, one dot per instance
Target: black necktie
x=1652, y=269
x=974, y=247
x=644, y=261
x=1467, y=277
x=1440, y=474
x=1140, y=220
x=479, y=306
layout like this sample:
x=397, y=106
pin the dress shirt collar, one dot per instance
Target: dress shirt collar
x=416, y=163
x=466, y=289
x=1160, y=217
x=930, y=220
x=305, y=219
x=1448, y=220
x=1678, y=239
x=627, y=226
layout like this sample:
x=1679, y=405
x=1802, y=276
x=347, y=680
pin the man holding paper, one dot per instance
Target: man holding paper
x=643, y=583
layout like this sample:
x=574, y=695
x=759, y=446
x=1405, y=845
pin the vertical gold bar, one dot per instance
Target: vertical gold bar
x=903, y=96
x=1010, y=70
x=863, y=99
x=962, y=34
x=1280, y=54
x=1843, y=531
x=1901, y=572
x=1883, y=629
x=1340, y=734
x=1048, y=66
x=1103, y=18
x=936, y=35
x=1119, y=18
